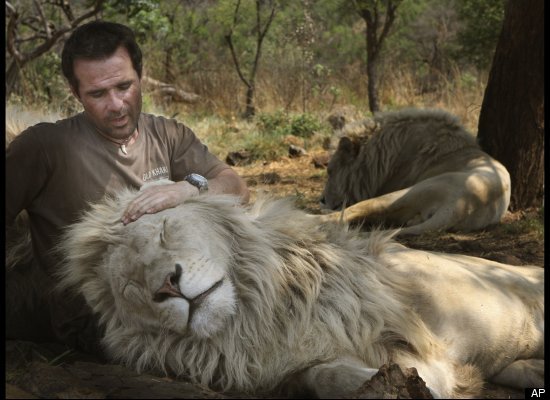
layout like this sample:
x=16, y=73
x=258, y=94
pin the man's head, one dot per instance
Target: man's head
x=98, y=40
x=102, y=62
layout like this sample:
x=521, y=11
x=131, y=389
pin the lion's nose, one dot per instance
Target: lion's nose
x=170, y=287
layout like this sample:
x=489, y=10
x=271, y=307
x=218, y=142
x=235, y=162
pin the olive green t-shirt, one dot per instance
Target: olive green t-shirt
x=54, y=170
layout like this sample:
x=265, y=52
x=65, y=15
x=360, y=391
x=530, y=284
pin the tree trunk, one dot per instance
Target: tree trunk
x=372, y=76
x=250, y=109
x=511, y=122
x=168, y=73
x=373, y=46
x=371, y=13
x=12, y=76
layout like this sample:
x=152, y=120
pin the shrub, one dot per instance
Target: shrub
x=281, y=124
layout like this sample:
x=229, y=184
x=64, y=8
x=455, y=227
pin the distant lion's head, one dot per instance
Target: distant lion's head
x=340, y=177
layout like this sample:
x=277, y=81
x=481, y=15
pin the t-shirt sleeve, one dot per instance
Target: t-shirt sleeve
x=26, y=172
x=191, y=155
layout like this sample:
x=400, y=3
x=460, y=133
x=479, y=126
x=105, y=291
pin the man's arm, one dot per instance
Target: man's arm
x=160, y=197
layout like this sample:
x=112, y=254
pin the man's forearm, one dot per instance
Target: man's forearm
x=229, y=182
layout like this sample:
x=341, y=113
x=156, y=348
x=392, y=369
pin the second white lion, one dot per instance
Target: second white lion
x=416, y=169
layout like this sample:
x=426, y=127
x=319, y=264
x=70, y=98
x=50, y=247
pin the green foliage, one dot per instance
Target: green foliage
x=304, y=125
x=143, y=16
x=282, y=124
x=273, y=124
x=313, y=57
x=482, y=21
x=529, y=225
x=262, y=147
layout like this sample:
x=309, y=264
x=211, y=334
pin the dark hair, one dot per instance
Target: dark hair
x=98, y=40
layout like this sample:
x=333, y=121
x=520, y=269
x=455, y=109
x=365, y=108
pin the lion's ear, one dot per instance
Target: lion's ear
x=348, y=146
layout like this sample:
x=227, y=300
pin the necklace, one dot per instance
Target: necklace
x=122, y=145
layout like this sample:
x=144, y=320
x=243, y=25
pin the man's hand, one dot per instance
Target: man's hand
x=157, y=198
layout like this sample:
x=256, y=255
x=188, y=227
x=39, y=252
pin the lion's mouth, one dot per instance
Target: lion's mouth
x=326, y=208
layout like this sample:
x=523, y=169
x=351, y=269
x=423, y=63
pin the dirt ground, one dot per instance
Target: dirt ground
x=42, y=371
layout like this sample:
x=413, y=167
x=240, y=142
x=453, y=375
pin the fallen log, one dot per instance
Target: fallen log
x=171, y=91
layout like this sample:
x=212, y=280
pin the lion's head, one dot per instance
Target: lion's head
x=341, y=181
x=155, y=274
x=169, y=278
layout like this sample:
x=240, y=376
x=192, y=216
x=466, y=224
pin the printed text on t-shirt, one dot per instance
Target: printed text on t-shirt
x=157, y=173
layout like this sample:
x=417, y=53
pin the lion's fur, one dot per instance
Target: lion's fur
x=426, y=152
x=18, y=119
x=305, y=294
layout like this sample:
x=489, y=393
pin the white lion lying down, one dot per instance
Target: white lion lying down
x=248, y=299
x=415, y=168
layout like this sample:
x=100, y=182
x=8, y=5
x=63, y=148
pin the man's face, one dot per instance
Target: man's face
x=110, y=92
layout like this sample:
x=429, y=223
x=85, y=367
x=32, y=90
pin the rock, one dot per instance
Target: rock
x=321, y=160
x=295, y=151
x=391, y=382
x=240, y=157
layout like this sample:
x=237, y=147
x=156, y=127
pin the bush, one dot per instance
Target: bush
x=275, y=124
x=304, y=125
x=281, y=124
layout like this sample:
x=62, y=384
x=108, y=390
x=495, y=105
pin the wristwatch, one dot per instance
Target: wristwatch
x=199, y=181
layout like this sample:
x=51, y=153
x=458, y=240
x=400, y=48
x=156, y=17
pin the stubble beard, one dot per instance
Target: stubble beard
x=126, y=131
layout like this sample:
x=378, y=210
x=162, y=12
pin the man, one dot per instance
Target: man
x=54, y=170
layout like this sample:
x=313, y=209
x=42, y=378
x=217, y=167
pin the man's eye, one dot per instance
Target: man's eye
x=124, y=86
x=96, y=95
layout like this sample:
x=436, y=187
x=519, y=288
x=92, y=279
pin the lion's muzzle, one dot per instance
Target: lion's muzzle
x=171, y=287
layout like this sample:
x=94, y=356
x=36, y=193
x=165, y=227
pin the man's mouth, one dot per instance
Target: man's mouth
x=119, y=121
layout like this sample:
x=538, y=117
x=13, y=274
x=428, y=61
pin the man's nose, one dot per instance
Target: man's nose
x=116, y=101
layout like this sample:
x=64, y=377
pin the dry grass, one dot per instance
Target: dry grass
x=216, y=117
x=224, y=131
x=223, y=94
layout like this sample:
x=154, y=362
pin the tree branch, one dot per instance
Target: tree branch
x=235, y=59
x=261, y=34
x=12, y=34
x=51, y=36
x=229, y=40
x=43, y=19
x=388, y=22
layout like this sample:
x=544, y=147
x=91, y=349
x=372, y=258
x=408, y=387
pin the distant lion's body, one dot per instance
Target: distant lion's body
x=246, y=300
x=418, y=169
